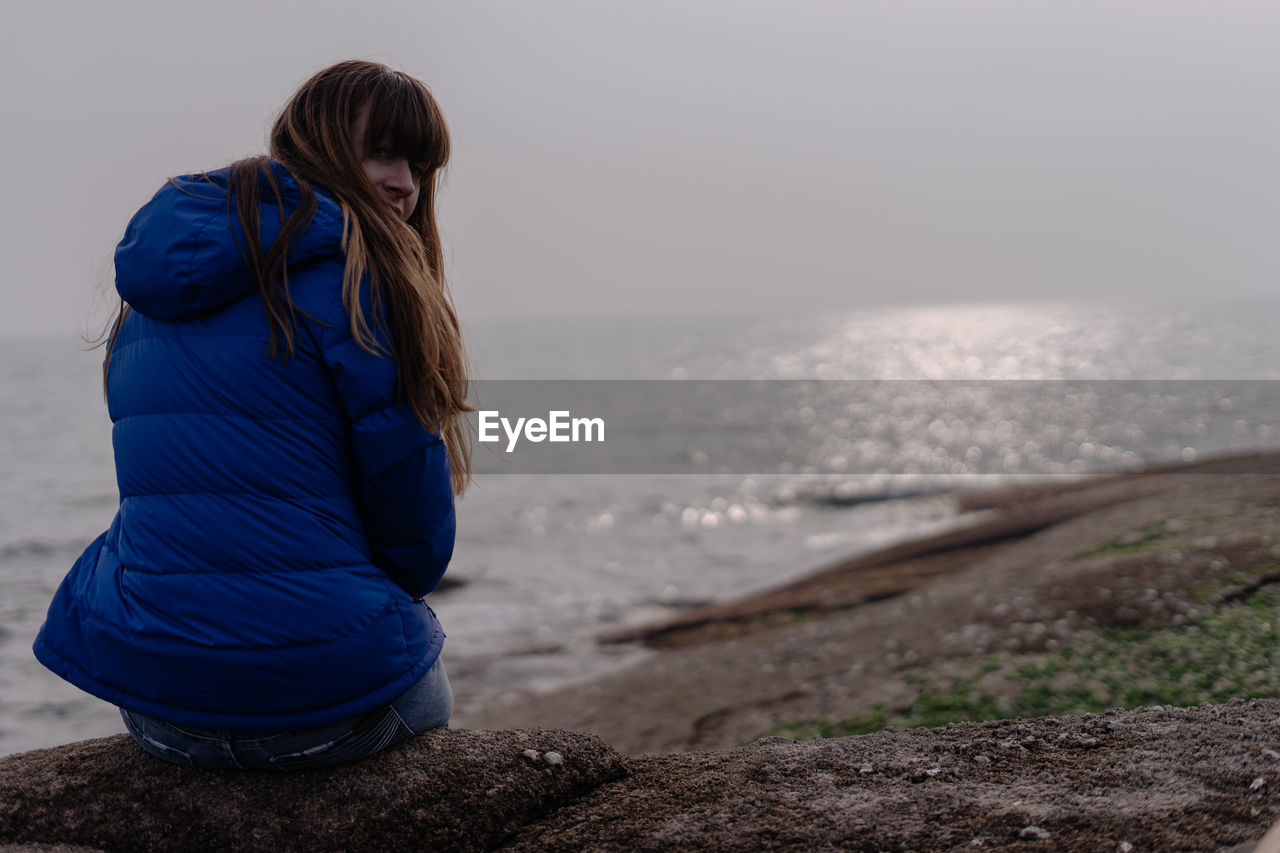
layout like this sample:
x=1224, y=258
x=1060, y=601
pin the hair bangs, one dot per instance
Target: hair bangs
x=404, y=120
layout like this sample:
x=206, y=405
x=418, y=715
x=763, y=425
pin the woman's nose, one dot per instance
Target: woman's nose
x=400, y=177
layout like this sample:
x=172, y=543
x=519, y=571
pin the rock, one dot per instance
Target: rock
x=1164, y=781
x=449, y=789
x=778, y=795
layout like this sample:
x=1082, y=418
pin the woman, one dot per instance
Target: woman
x=287, y=387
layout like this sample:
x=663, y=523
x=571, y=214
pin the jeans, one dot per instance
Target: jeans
x=425, y=705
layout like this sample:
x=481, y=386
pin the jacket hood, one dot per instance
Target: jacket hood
x=182, y=255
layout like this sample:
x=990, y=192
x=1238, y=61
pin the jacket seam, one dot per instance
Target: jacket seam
x=274, y=570
x=70, y=665
x=420, y=450
x=276, y=498
x=229, y=416
x=102, y=620
x=196, y=247
x=328, y=314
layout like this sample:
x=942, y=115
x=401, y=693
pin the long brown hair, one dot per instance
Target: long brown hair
x=403, y=261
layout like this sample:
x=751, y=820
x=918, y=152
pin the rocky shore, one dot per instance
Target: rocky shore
x=1153, y=592
x=1165, y=779
x=1037, y=571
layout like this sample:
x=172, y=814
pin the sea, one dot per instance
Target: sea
x=906, y=405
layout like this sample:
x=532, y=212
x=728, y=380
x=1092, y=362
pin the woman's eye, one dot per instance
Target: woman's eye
x=417, y=169
x=382, y=153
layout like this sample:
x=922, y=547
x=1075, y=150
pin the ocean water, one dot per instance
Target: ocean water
x=547, y=562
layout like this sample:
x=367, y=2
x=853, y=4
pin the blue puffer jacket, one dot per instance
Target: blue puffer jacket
x=278, y=518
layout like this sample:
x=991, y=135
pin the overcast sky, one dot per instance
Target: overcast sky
x=695, y=155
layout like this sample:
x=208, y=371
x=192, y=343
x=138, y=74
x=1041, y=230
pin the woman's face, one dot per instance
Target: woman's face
x=397, y=181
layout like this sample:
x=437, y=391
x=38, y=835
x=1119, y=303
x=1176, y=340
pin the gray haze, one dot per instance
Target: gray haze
x=675, y=156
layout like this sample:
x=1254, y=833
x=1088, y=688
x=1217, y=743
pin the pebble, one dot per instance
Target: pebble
x=1125, y=847
x=1270, y=753
x=554, y=758
x=1257, y=783
x=1033, y=832
x=981, y=759
x=531, y=754
x=866, y=768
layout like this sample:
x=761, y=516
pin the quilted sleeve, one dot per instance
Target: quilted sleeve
x=401, y=471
